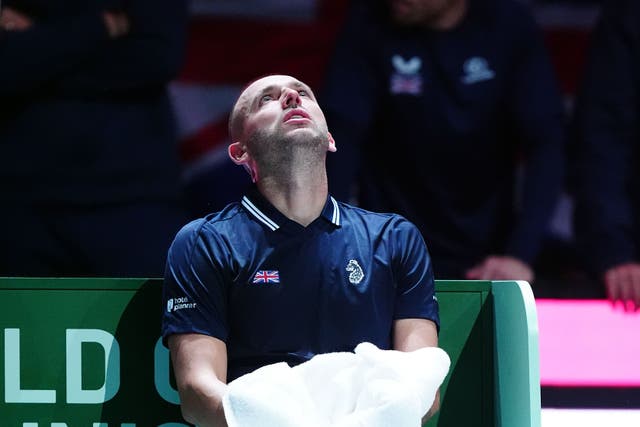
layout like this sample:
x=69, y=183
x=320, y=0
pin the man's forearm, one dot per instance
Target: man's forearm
x=202, y=404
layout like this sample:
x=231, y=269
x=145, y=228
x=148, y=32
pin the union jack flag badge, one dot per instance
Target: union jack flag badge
x=267, y=276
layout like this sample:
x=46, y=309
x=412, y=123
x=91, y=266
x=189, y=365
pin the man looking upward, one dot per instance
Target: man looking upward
x=288, y=272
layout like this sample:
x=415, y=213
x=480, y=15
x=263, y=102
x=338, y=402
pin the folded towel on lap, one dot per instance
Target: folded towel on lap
x=367, y=388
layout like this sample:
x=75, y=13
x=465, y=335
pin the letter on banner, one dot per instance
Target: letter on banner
x=12, y=391
x=75, y=393
x=161, y=374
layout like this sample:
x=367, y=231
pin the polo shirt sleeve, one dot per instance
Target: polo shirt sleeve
x=415, y=287
x=194, y=291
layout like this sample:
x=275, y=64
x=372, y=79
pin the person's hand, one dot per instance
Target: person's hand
x=117, y=24
x=496, y=267
x=623, y=284
x=12, y=20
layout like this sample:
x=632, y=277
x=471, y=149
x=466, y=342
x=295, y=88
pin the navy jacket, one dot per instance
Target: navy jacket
x=86, y=119
x=434, y=126
x=607, y=120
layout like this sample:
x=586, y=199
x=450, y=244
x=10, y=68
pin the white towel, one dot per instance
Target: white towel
x=367, y=388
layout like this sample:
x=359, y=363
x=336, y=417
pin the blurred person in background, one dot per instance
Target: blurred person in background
x=606, y=152
x=89, y=174
x=449, y=114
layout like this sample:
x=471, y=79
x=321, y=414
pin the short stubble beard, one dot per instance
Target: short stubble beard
x=279, y=155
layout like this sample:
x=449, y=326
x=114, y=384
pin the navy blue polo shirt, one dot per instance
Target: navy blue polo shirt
x=276, y=291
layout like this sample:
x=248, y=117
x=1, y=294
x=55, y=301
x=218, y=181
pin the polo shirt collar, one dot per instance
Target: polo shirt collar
x=263, y=211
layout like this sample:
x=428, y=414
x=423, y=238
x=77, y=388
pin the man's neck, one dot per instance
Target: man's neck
x=300, y=197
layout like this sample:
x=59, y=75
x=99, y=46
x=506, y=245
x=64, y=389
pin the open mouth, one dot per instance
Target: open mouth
x=295, y=115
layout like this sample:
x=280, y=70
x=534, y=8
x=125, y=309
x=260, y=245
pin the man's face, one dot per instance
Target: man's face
x=281, y=120
x=281, y=107
x=418, y=12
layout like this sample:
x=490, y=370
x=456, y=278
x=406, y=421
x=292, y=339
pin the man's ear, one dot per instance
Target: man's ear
x=238, y=154
x=332, y=144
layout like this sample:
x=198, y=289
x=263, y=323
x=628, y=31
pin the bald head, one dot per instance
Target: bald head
x=247, y=96
x=236, y=119
x=275, y=121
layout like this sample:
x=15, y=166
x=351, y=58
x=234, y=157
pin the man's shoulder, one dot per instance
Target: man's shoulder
x=228, y=213
x=217, y=222
x=352, y=213
x=354, y=210
x=388, y=227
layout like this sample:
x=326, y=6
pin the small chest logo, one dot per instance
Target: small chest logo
x=267, y=276
x=355, y=272
x=406, y=78
x=476, y=69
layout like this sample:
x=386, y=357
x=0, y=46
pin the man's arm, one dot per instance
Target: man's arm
x=496, y=267
x=604, y=165
x=34, y=54
x=200, y=367
x=151, y=55
x=413, y=334
x=537, y=115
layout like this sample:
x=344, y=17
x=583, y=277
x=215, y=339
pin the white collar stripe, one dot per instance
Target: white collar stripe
x=336, y=212
x=258, y=214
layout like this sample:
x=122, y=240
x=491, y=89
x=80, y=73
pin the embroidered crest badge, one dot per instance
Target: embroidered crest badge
x=355, y=272
x=406, y=78
x=477, y=69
